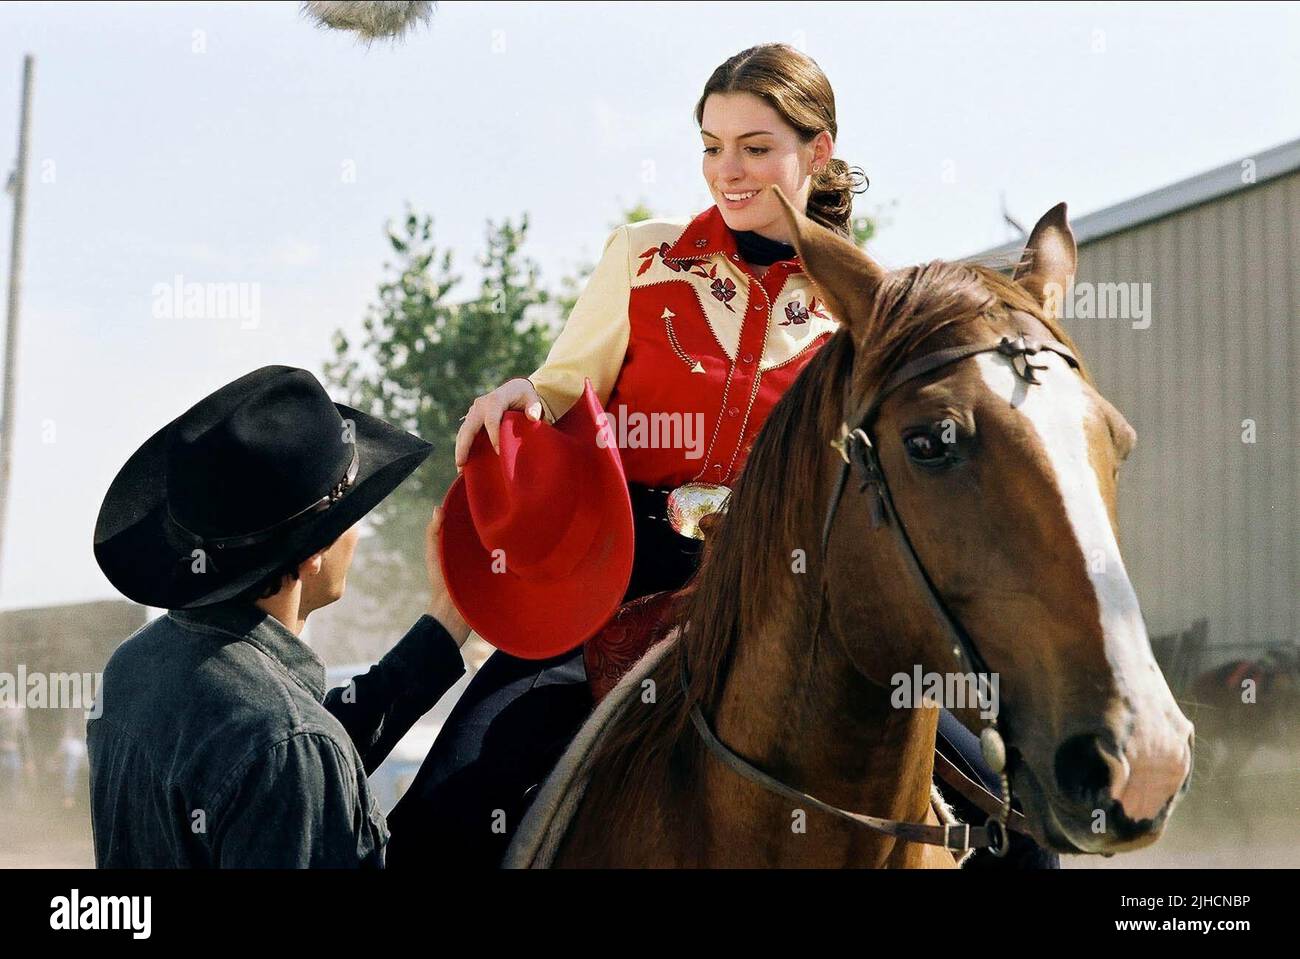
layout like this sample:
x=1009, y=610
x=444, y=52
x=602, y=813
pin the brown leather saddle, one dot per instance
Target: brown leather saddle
x=636, y=627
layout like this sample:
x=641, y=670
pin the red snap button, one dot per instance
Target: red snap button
x=718, y=467
x=747, y=358
x=733, y=411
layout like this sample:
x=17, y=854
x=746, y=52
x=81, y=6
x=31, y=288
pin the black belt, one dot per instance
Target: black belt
x=664, y=559
x=649, y=503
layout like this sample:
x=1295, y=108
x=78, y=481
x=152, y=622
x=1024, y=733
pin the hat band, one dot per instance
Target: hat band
x=261, y=535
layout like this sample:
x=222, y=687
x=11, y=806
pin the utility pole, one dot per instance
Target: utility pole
x=18, y=187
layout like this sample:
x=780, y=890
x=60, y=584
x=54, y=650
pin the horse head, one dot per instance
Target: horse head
x=1001, y=468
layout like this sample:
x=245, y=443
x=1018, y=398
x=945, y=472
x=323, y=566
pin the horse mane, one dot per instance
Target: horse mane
x=775, y=504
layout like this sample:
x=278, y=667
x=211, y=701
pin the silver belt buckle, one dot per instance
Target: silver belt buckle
x=690, y=503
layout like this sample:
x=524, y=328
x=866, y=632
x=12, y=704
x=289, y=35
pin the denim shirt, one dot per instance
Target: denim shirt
x=218, y=746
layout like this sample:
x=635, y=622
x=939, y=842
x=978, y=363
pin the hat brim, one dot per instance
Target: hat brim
x=530, y=618
x=140, y=550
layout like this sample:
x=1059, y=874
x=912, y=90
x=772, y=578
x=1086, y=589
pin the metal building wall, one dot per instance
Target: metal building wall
x=1210, y=524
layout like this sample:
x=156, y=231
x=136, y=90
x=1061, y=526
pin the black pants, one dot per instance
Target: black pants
x=503, y=737
x=517, y=717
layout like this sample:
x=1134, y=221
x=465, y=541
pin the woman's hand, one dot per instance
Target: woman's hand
x=487, y=410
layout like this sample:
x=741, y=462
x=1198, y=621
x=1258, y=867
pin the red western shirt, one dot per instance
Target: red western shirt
x=686, y=347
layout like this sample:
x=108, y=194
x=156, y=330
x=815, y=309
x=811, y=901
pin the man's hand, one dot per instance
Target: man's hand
x=441, y=607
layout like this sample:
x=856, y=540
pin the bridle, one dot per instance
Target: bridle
x=859, y=453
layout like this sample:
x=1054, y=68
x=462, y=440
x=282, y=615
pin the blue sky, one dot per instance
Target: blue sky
x=237, y=143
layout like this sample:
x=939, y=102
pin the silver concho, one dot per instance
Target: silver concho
x=689, y=503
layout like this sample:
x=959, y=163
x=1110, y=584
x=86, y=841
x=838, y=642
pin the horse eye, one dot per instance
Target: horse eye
x=925, y=448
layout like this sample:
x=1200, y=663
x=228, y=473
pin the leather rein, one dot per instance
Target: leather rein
x=859, y=453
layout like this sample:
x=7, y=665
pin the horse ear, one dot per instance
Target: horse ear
x=1050, y=257
x=846, y=278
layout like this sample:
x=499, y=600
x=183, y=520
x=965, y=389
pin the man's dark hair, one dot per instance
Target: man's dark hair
x=270, y=584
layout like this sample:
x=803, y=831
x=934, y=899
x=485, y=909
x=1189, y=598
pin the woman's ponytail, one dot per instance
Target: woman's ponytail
x=830, y=202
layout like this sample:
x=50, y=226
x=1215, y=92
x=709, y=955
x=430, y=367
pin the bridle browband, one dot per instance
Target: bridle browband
x=859, y=453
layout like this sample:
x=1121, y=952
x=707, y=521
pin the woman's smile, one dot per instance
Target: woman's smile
x=736, y=200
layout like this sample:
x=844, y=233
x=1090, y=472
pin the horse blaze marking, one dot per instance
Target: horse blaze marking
x=1058, y=412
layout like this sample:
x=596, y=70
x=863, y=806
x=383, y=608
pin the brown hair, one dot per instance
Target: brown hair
x=793, y=84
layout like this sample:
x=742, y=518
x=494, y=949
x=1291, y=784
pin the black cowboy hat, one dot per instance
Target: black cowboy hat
x=261, y=474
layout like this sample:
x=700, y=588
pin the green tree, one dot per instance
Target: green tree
x=864, y=228
x=421, y=361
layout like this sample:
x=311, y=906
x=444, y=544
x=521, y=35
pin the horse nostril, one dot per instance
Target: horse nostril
x=1082, y=770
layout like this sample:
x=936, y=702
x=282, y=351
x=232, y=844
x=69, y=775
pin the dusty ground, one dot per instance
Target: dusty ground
x=45, y=835
x=1252, y=821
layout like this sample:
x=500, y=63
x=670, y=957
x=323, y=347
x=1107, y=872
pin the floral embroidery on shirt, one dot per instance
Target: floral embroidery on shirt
x=723, y=290
x=796, y=313
x=661, y=251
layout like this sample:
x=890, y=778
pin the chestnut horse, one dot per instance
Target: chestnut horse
x=796, y=633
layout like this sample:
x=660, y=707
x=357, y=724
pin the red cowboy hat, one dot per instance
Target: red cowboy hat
x=536, y=543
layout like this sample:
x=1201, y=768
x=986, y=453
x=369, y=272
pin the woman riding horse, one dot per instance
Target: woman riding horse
x=711, y=321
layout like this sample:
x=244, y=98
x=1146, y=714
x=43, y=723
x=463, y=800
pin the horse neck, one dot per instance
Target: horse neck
x=795, y=698
x=794, y=704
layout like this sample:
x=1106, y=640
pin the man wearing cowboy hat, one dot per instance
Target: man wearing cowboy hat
x=217, y=744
